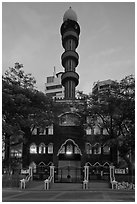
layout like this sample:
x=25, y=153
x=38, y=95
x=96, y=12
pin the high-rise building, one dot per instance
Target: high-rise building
x=53, y=86
x=103, y=85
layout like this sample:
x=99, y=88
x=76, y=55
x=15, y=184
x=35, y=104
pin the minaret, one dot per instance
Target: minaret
x=70, y=31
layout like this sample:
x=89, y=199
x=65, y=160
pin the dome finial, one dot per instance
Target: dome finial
x=70, y=14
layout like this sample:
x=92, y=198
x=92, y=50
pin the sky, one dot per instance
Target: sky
x=31, y=36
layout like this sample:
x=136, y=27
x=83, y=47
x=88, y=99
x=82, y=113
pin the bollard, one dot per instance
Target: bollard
x=85, y=184
x=46, y=184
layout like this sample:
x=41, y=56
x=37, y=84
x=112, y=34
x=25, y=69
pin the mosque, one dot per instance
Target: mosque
x=68, y=144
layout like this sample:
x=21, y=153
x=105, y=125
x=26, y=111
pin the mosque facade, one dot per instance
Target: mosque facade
x=68, y=144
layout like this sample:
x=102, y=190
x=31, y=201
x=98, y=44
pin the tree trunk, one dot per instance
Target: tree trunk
x=6, y=161
x=7, y=149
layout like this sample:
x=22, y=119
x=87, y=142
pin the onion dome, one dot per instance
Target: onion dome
x=70, y=15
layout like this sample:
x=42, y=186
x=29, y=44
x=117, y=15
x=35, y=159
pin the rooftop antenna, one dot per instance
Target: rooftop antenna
x=54, y=71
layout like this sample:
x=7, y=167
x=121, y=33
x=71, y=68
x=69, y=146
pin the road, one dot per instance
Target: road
x=16, y=195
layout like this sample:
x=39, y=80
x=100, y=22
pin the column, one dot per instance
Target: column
x=112, y=175
x=86, y=172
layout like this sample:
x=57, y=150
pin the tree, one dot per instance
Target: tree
x=23, y=108
x=114, y=109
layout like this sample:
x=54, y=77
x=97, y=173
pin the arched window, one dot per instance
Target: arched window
x=76, y=150
x=69, y=149
x=69, y=119
x=50, y=148
x=106, y=150
x=97, y=149
x=88, y=148
x=41, y=131
x=105, y=132
x=62, y=151
x=88, y=131
x=34, y=132
x=50, y=130
x=96, y=130
x=33, y=149
x=42, y=148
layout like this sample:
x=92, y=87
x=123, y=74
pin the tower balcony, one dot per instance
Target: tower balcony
x=69, y=54
x=70, y=76
x=70, y=34
x=70, y=25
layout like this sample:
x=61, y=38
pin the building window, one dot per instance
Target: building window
x=69, y=119
x=50, y=148
x=34, y=132
x=106, y=150
x=15, y=153
x=105, y=132
x=88, y=148
x=33, y=149
x=50, y=130
x=96, y=130
x=62, y=151
x=88, y=131
x=97, y=149
x=42, y=148
x=54, y=87
x=69, y=149
x=50, y=79
x=76, y=150
x=41, y=131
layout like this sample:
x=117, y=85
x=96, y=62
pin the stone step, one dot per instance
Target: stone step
x=98, y=185
x=93, y=185
x=35, y=185
x=66, y=186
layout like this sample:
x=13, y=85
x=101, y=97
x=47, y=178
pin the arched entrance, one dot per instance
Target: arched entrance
x=69, y=162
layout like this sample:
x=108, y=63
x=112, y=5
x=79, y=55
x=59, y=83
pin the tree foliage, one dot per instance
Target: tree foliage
x=23, y=107
x=114, y=109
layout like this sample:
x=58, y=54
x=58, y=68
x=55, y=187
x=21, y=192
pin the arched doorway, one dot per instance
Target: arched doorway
x=69, y=162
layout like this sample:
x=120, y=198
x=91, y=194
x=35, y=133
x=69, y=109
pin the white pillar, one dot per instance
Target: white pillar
x=46, y=184
x=112, y=175
x=86, y=172
x=52, y=167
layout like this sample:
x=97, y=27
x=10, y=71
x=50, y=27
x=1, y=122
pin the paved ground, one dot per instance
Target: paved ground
x=16, y=195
